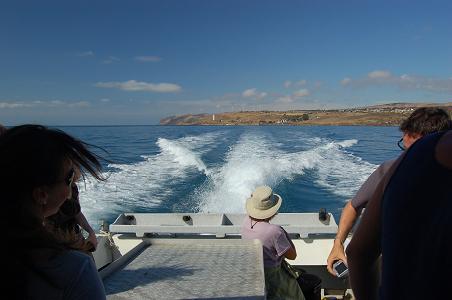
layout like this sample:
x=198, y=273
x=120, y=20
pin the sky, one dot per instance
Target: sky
x=135, y=62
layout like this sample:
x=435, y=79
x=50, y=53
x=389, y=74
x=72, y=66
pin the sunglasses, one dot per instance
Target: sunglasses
x=69, y=179
x=400, y=144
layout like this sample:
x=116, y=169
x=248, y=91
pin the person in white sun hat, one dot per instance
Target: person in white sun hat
x=261, y=207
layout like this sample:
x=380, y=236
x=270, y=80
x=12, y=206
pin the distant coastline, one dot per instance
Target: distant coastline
x=378, y=115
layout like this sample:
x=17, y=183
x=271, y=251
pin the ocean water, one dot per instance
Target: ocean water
x=215, y=169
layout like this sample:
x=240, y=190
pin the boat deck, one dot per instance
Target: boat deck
x=201, y=256
x=190, y=269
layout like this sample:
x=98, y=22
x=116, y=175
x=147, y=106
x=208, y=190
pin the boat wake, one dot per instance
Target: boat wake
x=224, y=183
x=256, y=160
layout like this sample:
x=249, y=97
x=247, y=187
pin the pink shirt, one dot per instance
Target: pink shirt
x=273, y=239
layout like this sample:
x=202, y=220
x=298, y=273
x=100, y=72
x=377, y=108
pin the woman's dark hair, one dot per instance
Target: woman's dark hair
x=426, y=120
x=32, y=156
x=2, y=129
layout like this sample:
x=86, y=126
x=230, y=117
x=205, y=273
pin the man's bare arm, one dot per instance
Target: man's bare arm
x=365, y=247
x=348, y=218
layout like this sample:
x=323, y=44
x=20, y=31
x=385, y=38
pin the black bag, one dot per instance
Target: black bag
x=310, y=284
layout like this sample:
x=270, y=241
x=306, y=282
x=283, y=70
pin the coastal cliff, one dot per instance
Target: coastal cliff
x=378, y=115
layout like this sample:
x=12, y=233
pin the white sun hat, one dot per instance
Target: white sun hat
x=263, y=203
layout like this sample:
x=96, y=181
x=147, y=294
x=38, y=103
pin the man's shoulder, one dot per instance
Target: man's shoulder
x=387, y=164
x=384, y=167
x=367, y=189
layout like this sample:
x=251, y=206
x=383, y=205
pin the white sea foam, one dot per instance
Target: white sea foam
x=144, y=184
x=255, y=160
x=249, y=163
x=339, y=171
x=184, y=156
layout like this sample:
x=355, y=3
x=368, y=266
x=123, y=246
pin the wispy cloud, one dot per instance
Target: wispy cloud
x=148, y=58
x=38, y=103
x=253, y=93
x=405, y=81
x=293, y=97
x=301, y=93
x=422, y=33
x=298, y=83
x=140, y=86
x=346, y=81
x=285, y=99
x=6, y=105
x=379, y=74
x=80, y=104
x=302, y=82
x=110, y=59
x=85, y=53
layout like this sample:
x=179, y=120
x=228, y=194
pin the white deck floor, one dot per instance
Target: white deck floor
x=191, y=269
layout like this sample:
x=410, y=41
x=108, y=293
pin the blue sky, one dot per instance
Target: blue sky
x=135, y=62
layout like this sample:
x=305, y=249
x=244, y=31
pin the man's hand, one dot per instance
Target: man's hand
x=348, y=218
x=337, y=253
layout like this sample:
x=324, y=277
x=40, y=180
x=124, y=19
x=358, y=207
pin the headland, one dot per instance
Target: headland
x=377, y=115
